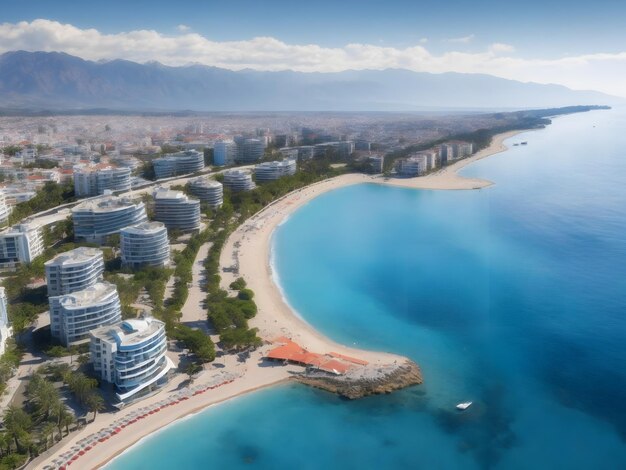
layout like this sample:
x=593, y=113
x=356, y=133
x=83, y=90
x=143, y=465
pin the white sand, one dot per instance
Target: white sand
x=275, y=317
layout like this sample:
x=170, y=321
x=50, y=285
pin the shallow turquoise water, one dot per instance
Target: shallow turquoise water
x=513, y=296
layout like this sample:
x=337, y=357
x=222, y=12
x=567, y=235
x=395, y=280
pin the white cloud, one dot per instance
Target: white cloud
x=462, y=40
x=600, y=71
x=183, y=28
x=501, y=47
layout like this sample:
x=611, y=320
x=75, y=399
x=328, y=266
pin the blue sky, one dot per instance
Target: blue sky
x=529, y=35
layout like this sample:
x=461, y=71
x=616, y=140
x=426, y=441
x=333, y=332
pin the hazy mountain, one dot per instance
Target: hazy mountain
x=61, y=81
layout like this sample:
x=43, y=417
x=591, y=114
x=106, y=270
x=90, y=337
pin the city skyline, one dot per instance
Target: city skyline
x=579, y=48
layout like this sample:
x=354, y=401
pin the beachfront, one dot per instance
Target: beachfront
x=249, y=247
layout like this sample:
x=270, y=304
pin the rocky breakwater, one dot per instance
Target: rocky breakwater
x=367, y=380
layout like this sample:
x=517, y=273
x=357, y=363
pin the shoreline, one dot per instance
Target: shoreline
x=190, y=414
x=275, y=317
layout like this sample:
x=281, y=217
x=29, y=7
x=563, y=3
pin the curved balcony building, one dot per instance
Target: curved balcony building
x=96, y=219
x=113, y=179
x=180, y=163
x=131, y=355
x=210, y=192
x=74, y=270
x=145, y=244
x=238, y=180
x=176, y=210
x=74, y=315
x=90, y=181
x=270, y=171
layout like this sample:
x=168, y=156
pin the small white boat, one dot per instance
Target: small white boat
x=463, y=406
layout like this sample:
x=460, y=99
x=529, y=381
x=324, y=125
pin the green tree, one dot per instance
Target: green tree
x=18, y=425
x=94, y=403
x=47, y=433
x=238, y=284
x=245, y=294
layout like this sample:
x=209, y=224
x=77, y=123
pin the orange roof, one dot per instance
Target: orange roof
x=348, y=358
x=290, y=351
x=334, y=366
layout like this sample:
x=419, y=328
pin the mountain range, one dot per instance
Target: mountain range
x=59, y=81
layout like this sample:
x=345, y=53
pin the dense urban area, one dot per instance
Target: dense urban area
x=110, y=221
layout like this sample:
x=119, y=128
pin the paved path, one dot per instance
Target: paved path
x=194, y=312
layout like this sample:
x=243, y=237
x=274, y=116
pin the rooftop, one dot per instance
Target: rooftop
x=165, y=193
x=77, y=255
x=105, y=203
x=144, y=228
x=205, y=182
x=236, y=172
x=89, y=296
x=129, y=332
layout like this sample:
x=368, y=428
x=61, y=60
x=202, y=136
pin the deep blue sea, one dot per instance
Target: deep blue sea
x=513, y=297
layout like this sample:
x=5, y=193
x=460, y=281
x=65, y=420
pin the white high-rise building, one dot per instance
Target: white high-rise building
x=411, y=166
x=224, y=152
x=5, y=329
x=20, y=244
x=74, y=270
x=145, y=244
x=176, y=210
x=238, y=180
x=89, y=181
x=250, y=150
x=5, y=210
x=270, y=171
x=96, y=219
x=113, y=179
x=73, y=316
x=132, y=356
x=180, y=163
x=210, y=192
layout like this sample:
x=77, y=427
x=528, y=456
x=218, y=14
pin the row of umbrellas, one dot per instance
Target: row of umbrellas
x=86, y=444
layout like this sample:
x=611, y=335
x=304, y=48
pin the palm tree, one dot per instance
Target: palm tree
x=68, y=419
x=18, y=425
x=94, y=403
x=47, y=432
x=60, y=414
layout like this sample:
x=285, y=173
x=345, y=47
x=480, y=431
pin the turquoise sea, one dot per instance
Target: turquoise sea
x=513, y=297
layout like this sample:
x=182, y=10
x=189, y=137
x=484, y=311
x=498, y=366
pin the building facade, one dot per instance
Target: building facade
x=5, y=329
x=5, y=210
x=145, y=244
x=176, y=210
x=180, y=163
x=20, y=244
x=250, y=150
x=343, y=149
x=93, y=182
x=132, y=356
x=224, y=152
x=99, y=218
x=411, y=166
x=270, y=171
x=73, y=316
x=377, y=162
x=209, y=191
x=238, y=180
x=74, y=270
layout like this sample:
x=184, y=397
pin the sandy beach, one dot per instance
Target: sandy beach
x=249, y=248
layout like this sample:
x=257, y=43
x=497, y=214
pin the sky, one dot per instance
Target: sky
x=576, y=43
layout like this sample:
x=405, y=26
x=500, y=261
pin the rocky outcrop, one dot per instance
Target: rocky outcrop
x=365, y=381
